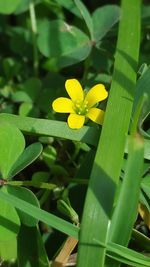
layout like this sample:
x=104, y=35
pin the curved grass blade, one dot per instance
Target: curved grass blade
x=125, y=255
x=44, y=127
x=39, y=214
x=140, y=239
x=130, y=191
x=146, y=147
x=141, y=88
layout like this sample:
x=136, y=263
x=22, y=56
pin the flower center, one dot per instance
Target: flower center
x=81, y=107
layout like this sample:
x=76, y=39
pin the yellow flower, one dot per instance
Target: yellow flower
x=81, y=105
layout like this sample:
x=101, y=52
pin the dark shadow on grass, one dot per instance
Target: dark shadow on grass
x=28, y=247
x=104, y=190
x=129, y=59
x=8, y=224
x=121, y=79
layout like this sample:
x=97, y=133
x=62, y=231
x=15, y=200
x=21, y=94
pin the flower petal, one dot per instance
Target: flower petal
x=63, y=105
x=74, y=90
x=76, y=121
x=96, y=115
x=97, y=93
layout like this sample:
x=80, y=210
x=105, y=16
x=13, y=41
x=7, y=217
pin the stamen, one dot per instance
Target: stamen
x=81, y=107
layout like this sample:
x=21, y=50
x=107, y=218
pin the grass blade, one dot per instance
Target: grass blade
x=39, y=214
x=125, y=255
x=44, y=127
x=146, y=147
x=130, y=191
x=108, y=160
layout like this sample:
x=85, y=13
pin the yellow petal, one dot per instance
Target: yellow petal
x=96, y=115
x=63, y=105
x=97, y=93
x=76, y=121
x=74, y=90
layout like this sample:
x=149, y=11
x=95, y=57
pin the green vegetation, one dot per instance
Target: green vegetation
x=74, y=195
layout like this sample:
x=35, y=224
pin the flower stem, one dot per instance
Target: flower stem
x=34, y=37
x=32, y=183
x=44, y=197
x=78, y=181
x=86, y=70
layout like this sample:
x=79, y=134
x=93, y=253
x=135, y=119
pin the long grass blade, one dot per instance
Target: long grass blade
x=44, y=127
x=129, y=192
x=41, y=215
x=108, y=160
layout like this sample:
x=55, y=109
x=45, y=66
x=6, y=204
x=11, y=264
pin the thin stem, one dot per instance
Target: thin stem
x=32, y=183
x=86, y=70
x=34, y=37
x=44, y=197
x=78, y=181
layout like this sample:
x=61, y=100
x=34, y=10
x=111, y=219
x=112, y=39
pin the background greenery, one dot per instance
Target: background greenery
x=43, y=163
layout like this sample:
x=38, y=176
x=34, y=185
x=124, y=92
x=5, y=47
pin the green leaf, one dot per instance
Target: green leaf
x=69, y=46
x=29, y=155
x=11, y=68
x=20, y=42
x=21, y=96
x=86, y=16
x=9, y=151
x=31, y=251
x=29, y=91
x=24, y=6
x=8, y=249
x=8, y=6
x=57, y=81
x=42, y=177
x=25, y=109
x=69, y=5
x=26, y=195
x=103, y=20
x=32, y=87
x=39, y=214
x=9, y=220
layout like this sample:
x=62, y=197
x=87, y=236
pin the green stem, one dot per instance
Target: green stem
x=78, y=181
x=34, y=37
x=86, y=69
x=32, y=183
x=44, y=197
